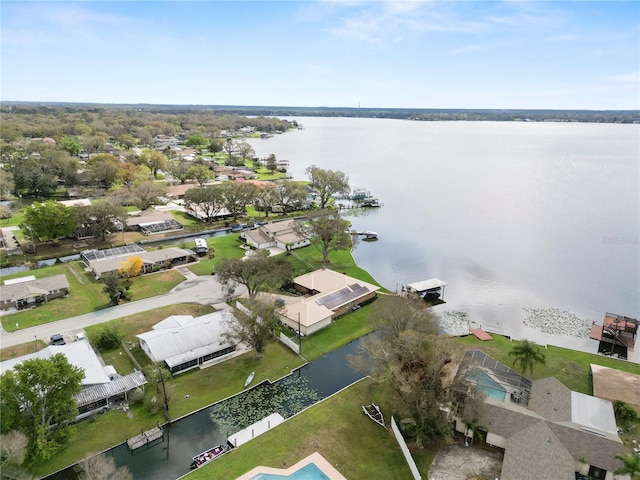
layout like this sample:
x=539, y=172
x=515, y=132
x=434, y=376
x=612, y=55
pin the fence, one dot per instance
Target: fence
x=405, y=450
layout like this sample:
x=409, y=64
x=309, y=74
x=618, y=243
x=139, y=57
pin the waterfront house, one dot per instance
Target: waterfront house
x=280, y=235
x=183, y=342
x=328, y=294
x=101, y=262
x=26, y=292
x=545, y=429
x=101, y=385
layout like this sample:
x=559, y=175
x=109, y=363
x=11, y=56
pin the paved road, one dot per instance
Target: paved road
x=205, y=290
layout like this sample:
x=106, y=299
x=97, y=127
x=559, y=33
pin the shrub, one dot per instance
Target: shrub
x=108, y=338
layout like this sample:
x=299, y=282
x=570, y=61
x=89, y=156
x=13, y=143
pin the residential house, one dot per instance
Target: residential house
x=329, y=295
x=183, y=342
x=100, y=262
x=281, y=235
x=546, y=432
x=26, y=292
x=100, y=387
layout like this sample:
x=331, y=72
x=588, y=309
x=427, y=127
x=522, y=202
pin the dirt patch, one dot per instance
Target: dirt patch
x=466, y=463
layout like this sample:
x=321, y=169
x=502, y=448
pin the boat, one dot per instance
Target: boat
x=369, y=235
x=211, y=454
x=373, y=412
x=249, y=379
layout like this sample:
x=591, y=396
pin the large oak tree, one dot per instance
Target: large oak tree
x=327, y=183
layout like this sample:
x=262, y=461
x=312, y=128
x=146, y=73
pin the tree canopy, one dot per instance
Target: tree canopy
x=327, y=233
x=327, y=183
x=254, y=324
x=527, y=354
x=38, y=400
x=408, y=356
x=208, y=200
x=49, y=220
x=258, y=272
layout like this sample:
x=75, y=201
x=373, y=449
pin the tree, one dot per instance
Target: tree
x=154, y=160
x=49, y=220
x=130, y=267
x=114, y=288
x=7, y=185
x=236, y=197
x=181, y=170
x=230, y=148
x=327, y=233
x=13, y=452
x=127, y=140
x=196, y=141
x=215, y=146
x=207, y=200
x=33, y=176
x=291, y=195
x=527, y=354
x=101, y=217
x=257, y=272
x=272, y=163
x=200, y=173
x=71, y=145
x=130, y=174
x=265, y=197
x=630, y=465
x=147, y=193
x=327, y=183
x=38, y=400
x=408, y=356
x=101, y=467
x=255, y=324
x=103, y=170
x=245, y=150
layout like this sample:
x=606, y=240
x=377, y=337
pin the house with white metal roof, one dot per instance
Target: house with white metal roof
x=183, y=342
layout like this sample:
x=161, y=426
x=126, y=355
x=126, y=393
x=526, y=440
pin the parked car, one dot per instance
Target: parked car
x=57, y=339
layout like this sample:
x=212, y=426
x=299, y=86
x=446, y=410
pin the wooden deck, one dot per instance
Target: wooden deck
x=145, y=438
x=481, y=334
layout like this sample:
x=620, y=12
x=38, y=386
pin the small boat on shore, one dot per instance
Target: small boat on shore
x=249, y=379
x=205, y=457
x=373, y=412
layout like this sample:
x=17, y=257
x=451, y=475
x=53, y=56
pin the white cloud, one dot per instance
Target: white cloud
x=467, y=49
x=633, y=77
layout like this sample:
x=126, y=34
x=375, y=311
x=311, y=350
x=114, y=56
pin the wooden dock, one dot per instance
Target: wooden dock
x=145, y=438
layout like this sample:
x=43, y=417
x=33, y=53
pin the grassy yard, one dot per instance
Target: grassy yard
x=571, y=367
x=226, y=246
x=203, y=387
x=337, y=429
x=85, y=294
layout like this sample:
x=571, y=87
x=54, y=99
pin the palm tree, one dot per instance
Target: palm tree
x=630, y=465
x=527, y=354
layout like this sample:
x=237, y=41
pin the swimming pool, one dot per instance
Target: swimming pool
x=308, y=472
x=486, y=384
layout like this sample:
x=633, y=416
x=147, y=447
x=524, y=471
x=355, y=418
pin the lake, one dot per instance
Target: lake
x=534, y=226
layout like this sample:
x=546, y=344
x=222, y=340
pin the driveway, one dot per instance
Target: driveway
x=205, y=290
x=465, y=463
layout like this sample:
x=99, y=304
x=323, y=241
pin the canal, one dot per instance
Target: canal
x=197, y=432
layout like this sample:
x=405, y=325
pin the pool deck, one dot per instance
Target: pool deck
x=328, y=469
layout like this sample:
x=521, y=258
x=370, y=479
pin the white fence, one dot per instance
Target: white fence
x=290, y=343
x=405, y=450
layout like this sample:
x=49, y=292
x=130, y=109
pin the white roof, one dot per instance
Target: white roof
x=427, y=284
x=79, y=354
x=78, y=202
x=193, y=338
x=258, y=428
x=593, y=413
x=13, y=281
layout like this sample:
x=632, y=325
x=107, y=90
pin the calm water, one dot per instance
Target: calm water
x=510, y=215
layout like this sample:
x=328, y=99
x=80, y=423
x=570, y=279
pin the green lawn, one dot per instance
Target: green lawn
x=204, y=387
x=83, y=297
x=226, y=246
x=337, y=429
x=571, y=367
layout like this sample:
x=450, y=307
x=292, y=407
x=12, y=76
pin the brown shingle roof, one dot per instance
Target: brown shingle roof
x=551, y=399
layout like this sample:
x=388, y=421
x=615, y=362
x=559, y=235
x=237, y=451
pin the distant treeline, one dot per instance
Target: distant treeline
x=421, y=114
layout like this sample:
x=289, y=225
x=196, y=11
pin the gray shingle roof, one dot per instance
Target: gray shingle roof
x=551, y=399
x=38, y=287
x=536, y=452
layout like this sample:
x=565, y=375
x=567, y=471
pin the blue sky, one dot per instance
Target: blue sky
x=416, y=54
